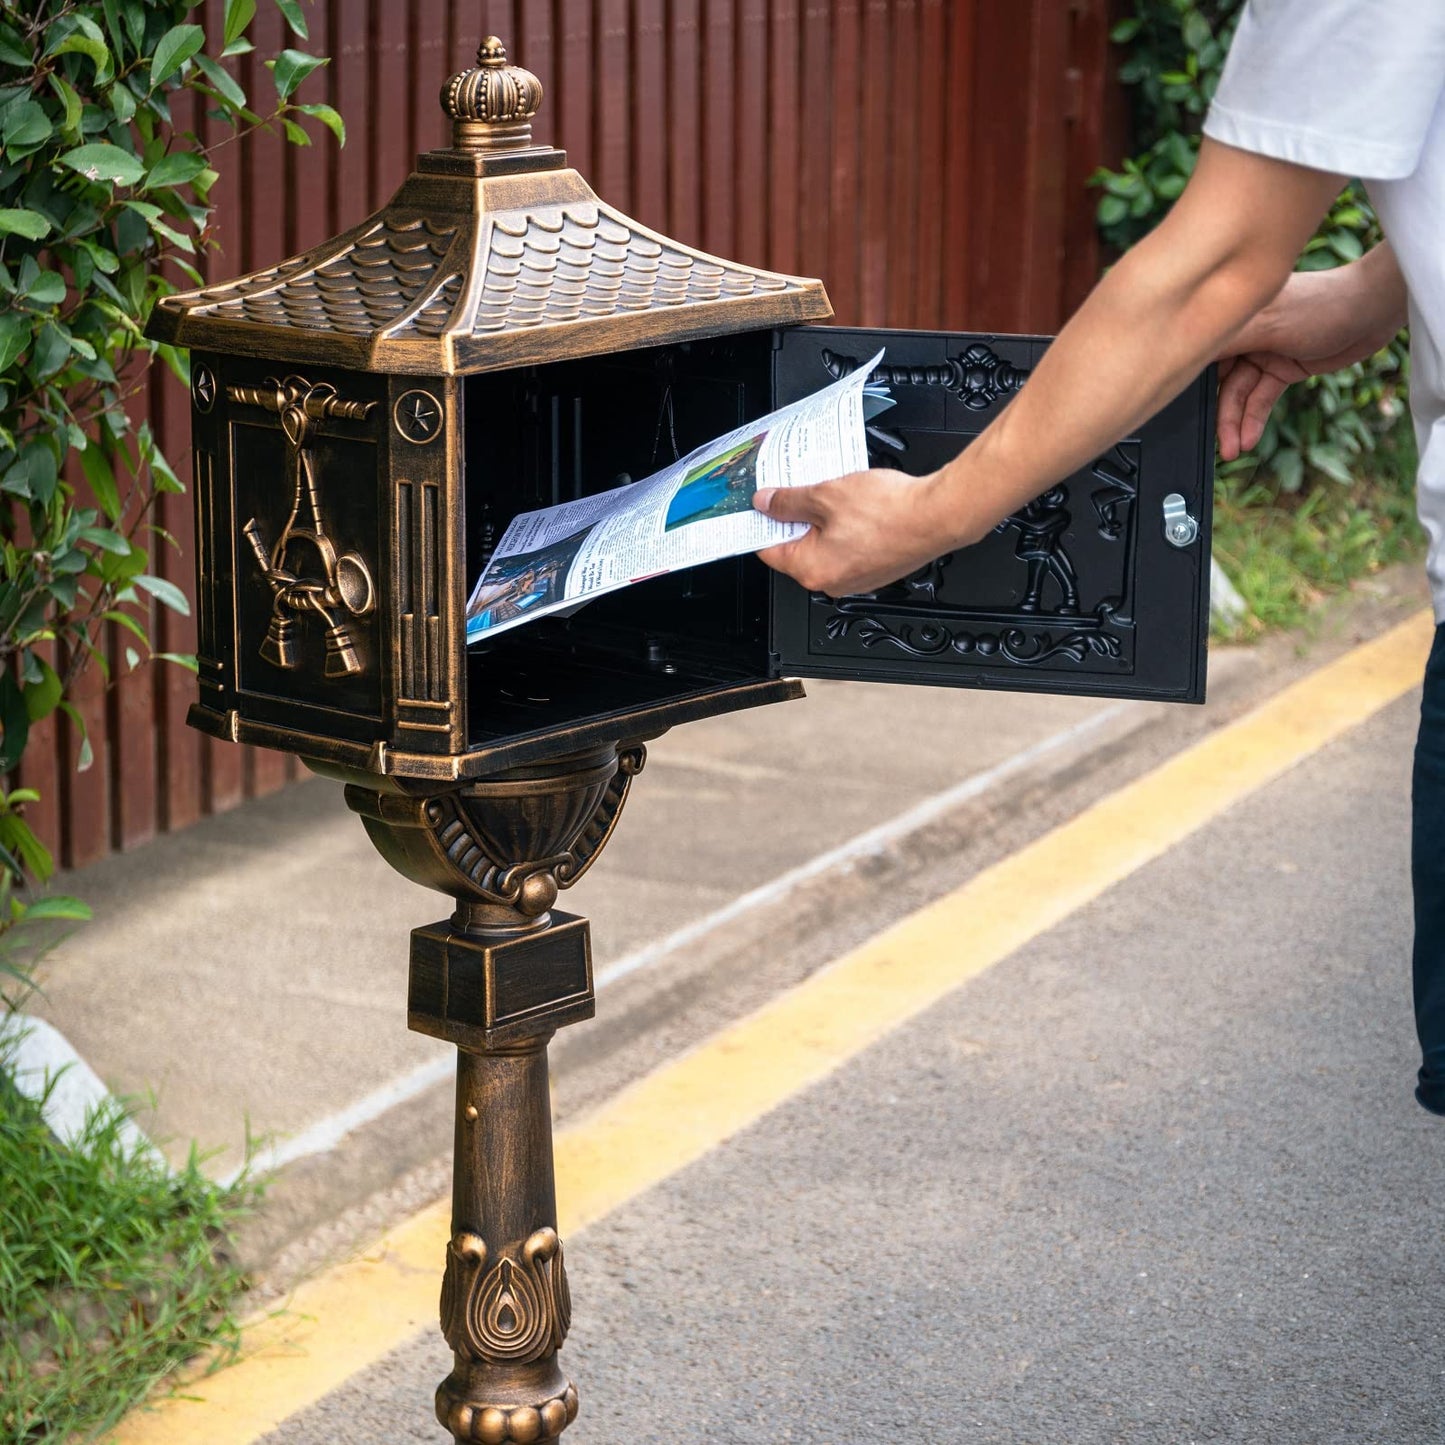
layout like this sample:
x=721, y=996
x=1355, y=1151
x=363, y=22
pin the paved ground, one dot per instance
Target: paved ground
x=252, y=971
x=1156, y=1178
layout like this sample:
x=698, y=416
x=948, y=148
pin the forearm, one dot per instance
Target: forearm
x=1318, y=315
x=1163, y=313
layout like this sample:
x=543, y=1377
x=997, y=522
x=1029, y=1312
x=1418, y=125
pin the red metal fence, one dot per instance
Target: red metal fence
x=927, y=158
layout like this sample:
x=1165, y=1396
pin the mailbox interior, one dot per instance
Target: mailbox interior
x=540, y=435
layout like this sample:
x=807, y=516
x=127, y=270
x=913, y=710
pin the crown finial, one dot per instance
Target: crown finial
x=492, y=104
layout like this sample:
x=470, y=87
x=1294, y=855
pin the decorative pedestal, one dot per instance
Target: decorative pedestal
x=497, y=980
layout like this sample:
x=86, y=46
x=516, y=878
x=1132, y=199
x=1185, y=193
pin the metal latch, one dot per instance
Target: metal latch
x=1180, y=529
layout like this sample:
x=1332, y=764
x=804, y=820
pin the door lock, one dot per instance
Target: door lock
x=1180, y=529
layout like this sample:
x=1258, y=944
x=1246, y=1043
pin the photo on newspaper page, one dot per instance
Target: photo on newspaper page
x=699, y=509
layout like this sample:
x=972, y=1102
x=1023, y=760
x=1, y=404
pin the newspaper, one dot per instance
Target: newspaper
x=697, y=510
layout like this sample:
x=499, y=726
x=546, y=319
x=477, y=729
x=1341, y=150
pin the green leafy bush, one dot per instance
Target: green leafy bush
x=1323, y=427
x=104, y=196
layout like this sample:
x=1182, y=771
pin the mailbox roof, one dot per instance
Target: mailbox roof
x=482, y=263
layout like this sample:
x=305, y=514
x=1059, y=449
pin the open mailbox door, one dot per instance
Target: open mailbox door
x=1099, y=587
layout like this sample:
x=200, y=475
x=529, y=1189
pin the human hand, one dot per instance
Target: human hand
x=865, y=530
x=1321, y=321
x=1249, y=386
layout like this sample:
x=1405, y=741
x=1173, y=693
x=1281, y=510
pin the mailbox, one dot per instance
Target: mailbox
x=367, y=419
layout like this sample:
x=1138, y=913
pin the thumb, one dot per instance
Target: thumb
x=790, y=504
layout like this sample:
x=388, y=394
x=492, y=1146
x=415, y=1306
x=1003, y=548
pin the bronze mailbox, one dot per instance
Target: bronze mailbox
x=367, y=419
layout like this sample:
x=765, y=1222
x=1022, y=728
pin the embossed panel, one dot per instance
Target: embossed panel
x=305, y=550
x=1080, y=591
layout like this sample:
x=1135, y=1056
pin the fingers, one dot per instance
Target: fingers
x=1257, y=407
x=791, y=504
x=1247, y=394
x=1234, y=391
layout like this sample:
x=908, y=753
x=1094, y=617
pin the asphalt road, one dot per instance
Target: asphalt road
x=1157, y=1178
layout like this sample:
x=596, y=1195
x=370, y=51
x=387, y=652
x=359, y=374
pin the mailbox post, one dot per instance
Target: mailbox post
x=369, y=415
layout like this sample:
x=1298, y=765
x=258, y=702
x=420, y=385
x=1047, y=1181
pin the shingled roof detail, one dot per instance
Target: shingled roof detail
x=366, y=288
x=567, y=263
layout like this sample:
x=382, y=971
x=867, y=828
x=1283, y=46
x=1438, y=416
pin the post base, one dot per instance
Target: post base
x=514, y=1422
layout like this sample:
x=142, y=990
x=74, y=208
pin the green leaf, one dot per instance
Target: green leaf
x=294, y=17
x=106, y=540
x=1112, y=210
x=175, y=47
x=166, y=593
x=1346, y=245
x=14, y=721
x=52, y=351
x=1197, y=33
x=90, y=46
x=329, y=116
x=102, y=161
x=43, y=697
x=225, y=83
x=59, y=906
x=295, y=134
x=86, y=756
x=74, y=106
x=30, y=224
x=239, y=14
x=13, y=50
x=101, y=476
x=177, y=169
x=14, y=338
x=290, y=68
x=26, y=127
x=46, y=289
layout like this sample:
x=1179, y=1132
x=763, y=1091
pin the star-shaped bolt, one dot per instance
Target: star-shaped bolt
x=204, y=387
x=419, y=416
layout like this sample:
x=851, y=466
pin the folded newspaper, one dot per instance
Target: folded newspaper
x=699, y=509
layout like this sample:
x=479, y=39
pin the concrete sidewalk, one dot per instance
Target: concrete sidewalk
x=253, y=969
x=251, y=972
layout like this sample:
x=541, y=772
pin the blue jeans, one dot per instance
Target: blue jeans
x=1427, y=871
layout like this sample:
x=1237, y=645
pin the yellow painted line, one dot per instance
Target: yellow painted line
x=345, y=1320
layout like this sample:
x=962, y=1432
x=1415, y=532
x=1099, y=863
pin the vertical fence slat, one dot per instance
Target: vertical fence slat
x=392, y=152
x=85, y=796
x=783, y=134
x=536, y=49
x=1047, y=165
x=958, y=201
x=719, y=127
x=933, y=83
x=750, y=54
x=431, y=64
x=612, y=102
x=904, y=189
x=649, y=112
x=846, y=220
x=815, y=99
x=574, y=83
x=351, y=171
x=877, y=163
x=1093, y=141
x=684, y=72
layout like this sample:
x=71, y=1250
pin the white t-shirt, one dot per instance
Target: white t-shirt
x=1357, y=87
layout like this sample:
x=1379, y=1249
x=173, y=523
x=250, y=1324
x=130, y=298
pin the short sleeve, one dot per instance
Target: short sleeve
x=1347, y=86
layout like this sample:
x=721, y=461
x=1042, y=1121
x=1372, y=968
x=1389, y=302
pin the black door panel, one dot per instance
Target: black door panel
x=1079, y=592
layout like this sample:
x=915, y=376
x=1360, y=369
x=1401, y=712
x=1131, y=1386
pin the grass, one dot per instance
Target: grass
x=113, y=1272
x=1286, y=552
